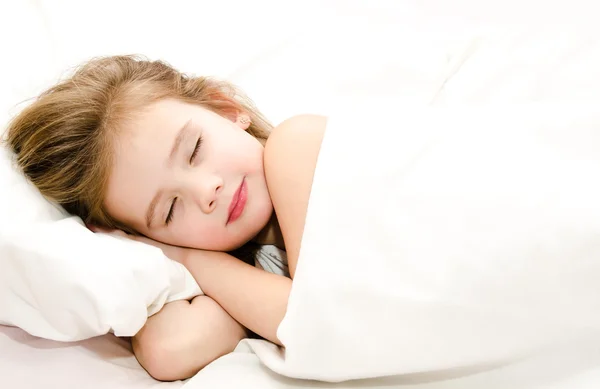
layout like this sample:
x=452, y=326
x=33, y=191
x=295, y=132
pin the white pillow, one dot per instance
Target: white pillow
x=62, y=282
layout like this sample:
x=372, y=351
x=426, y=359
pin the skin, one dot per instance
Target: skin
x=185, y=336
x=199, y=189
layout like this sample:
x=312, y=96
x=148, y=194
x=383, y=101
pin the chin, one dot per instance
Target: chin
x=245, y=238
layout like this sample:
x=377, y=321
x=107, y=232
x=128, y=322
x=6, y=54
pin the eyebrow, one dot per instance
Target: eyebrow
x=181, y=135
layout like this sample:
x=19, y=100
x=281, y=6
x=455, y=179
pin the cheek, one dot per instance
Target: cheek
x=198, y=232
x=252, y=159
x=244, y=150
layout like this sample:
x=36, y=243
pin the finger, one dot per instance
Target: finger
x=91, y=227
x=120, y=233
x=97, y=229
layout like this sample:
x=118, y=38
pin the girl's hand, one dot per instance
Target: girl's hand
x=175, y=253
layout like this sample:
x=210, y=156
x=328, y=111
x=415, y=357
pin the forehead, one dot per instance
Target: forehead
x=152, y=127
x=159, y=116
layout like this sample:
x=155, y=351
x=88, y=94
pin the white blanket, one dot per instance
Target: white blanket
x=461, y=235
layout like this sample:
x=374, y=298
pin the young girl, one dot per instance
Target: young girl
x=189, y=165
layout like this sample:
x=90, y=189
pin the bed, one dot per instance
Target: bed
x=291, y=58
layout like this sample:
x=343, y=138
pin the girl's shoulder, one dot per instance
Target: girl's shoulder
x=290, y=160
x=296, y=132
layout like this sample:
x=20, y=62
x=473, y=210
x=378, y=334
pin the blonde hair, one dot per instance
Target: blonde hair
x=63, y=140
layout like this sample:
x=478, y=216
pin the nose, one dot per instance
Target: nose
x=206, y=191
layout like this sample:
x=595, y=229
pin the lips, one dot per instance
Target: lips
x=238, y=202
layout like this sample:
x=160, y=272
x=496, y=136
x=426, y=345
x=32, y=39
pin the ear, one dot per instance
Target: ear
x=243, y=121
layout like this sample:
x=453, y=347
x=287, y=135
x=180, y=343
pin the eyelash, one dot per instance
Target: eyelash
x=170, y=214
x=192, y=158
x=196, y=149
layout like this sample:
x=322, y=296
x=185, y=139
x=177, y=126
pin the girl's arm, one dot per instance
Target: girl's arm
x=255, y=298
x=185, y=336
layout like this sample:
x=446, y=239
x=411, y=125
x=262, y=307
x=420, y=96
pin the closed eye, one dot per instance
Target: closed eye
x=171, y=212
x=196, y=149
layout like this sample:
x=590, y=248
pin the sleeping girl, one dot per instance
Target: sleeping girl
x=188, y=164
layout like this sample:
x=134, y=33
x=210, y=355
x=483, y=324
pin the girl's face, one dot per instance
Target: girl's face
x=186, y=176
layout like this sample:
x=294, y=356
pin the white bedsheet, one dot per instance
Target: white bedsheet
x=27, y=362
x=569, y=367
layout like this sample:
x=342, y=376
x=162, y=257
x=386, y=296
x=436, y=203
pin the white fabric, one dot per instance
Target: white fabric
x=457, y=235
x=464, y=237
x=573, y=366
x=272, y=259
